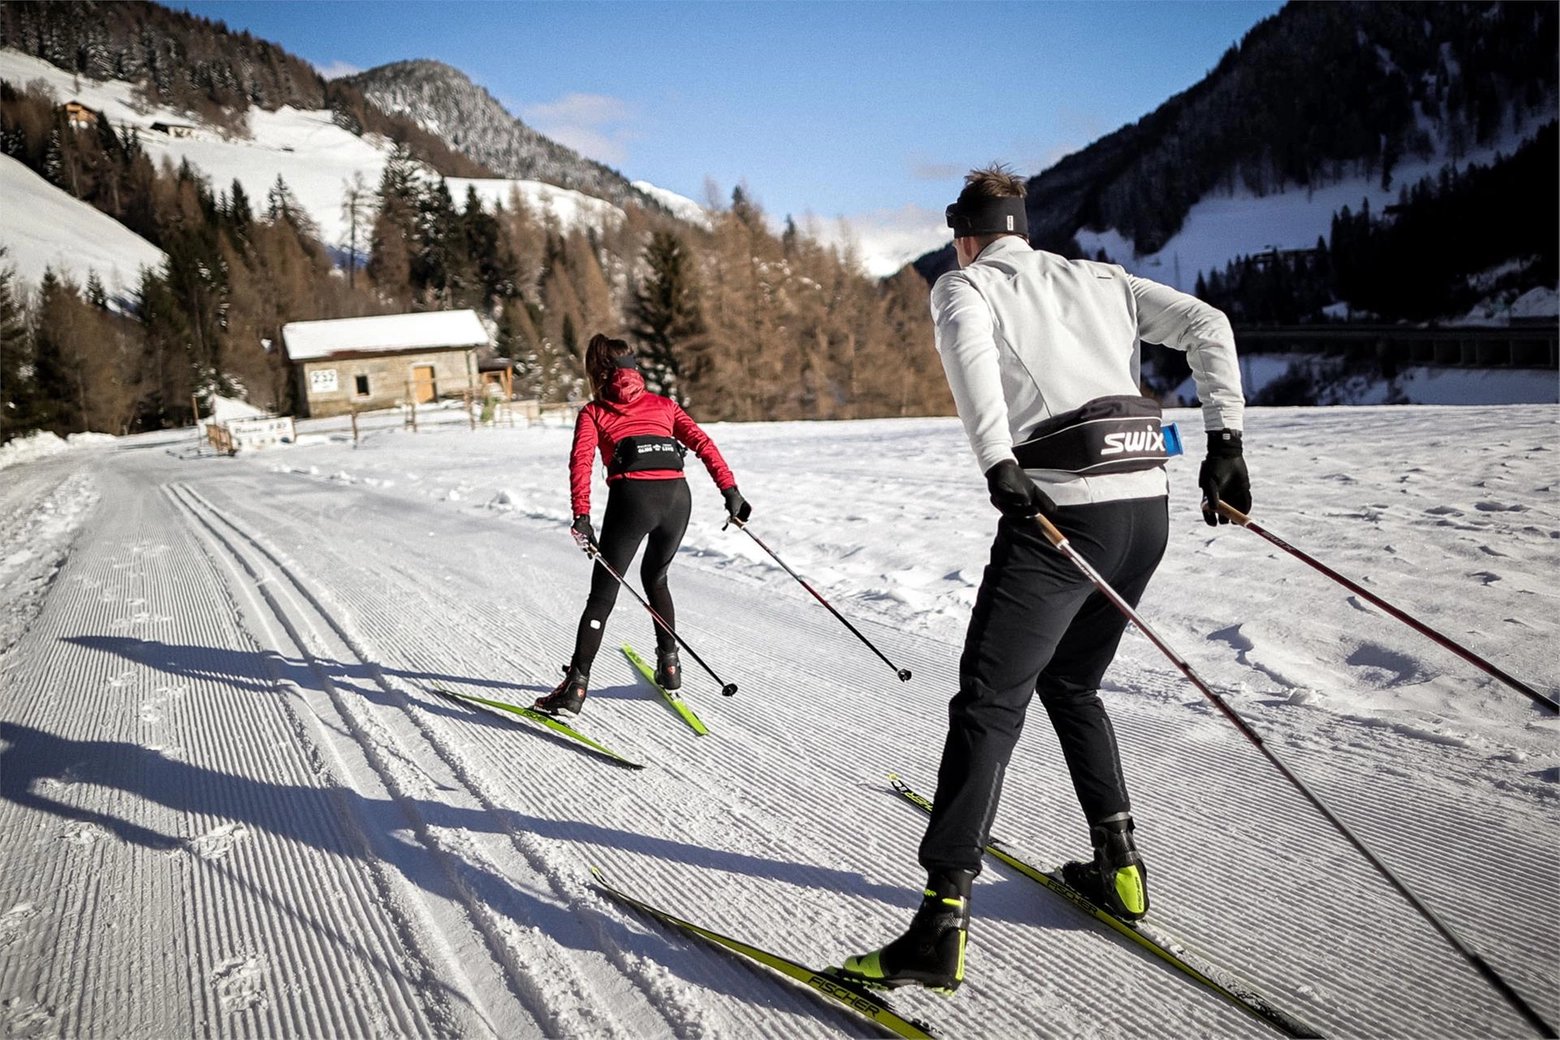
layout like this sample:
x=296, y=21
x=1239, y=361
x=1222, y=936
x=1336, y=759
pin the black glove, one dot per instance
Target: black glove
x=1018, y=497
x=737, y=507
x=1223, y=477
x=584, y=534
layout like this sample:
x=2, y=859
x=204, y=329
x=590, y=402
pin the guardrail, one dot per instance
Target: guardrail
x=1477, y=346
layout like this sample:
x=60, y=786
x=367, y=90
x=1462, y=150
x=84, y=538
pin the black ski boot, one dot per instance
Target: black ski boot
x=931, y=953
x=668, y=670
x=1117, y=879
x=569, y=695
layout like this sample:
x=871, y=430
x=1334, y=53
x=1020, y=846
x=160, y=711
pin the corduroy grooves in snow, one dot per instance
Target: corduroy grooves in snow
x=232, y=804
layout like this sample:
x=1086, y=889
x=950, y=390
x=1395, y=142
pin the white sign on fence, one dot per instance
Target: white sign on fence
x=261, y=432
x=323, y=381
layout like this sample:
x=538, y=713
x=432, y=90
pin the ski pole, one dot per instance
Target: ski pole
x=1059, y=540
x=594, y=552
x=1412, y=622
x=903, y=673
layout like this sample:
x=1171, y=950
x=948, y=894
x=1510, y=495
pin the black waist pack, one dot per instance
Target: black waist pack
x=651, y=451
x=1118, y=434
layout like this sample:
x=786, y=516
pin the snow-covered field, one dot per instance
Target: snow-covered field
x=233, y=804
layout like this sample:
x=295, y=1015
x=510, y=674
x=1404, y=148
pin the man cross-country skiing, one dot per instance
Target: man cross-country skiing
x=1042, y=354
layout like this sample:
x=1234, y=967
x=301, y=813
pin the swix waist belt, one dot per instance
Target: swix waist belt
x=1117, y=434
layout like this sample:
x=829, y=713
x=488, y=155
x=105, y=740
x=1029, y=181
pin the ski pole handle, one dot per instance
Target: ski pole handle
x=1052, y=534
x=1235, y=515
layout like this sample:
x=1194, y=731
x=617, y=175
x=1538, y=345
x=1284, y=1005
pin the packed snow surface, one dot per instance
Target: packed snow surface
x=232, y=801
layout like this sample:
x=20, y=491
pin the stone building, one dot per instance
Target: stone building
x=359, y=364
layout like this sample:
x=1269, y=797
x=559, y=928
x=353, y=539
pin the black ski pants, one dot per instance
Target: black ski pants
x=637, y=510
x=1040, y=626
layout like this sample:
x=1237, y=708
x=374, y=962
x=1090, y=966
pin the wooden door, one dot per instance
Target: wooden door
x=423, y=387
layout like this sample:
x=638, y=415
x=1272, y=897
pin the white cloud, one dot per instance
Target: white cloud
x=925, y=167
x=337, y=70
x=589, y=109
x=598, y=126
x=886, y=239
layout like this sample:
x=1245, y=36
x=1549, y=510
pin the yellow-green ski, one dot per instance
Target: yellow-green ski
x=677, y=703
x=1149, y=936
x=561, y=728
x=830, y=985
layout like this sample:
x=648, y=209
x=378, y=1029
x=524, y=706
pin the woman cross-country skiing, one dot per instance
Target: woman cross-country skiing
x=642, y=438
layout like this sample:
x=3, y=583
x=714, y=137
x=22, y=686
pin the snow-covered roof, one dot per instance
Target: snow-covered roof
x=383, y=334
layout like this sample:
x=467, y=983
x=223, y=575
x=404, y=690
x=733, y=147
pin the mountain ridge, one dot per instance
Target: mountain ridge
x=1311, y=95
x=445, y=101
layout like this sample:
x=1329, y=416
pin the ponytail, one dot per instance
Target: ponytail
x=601, y=359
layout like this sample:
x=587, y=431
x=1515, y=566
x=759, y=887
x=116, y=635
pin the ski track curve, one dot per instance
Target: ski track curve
x=437, y=880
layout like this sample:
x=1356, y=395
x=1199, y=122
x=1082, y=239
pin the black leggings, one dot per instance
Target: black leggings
x=1039, y=626
x=635, y=509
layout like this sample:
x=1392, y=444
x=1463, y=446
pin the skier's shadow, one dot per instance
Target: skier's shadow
x=43, y=771
x=253, y=670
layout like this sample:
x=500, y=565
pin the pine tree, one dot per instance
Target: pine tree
x=54, y=381
x=667, y=319
x=393, y=239
x=18, y=388
x=354, y=208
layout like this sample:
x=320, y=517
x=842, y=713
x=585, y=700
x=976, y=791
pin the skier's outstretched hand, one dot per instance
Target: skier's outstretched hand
x=1223, y=477
x=1012, y=492
x=584, y=534
x=737, y=507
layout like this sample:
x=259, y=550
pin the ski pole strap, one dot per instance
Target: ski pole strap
x=648, y=451
x=1119, y=434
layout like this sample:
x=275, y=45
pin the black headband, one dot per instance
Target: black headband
x=626, y=361
x=988, y=216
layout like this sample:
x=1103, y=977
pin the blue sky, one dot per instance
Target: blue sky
x=867, y=110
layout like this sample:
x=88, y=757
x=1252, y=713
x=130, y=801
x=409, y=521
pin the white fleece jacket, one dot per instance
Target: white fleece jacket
x=1025, y=335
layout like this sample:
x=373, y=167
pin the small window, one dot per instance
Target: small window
x=362, y=386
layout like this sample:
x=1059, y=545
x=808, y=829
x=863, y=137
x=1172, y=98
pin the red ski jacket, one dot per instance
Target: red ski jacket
x=627, y=409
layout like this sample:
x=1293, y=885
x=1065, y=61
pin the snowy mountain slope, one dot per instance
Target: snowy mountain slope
x=1221, y=228
x=315, y=157
x=238, y=805
x=680, y=206
x=43, y=227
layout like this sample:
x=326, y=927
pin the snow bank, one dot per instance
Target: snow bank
x=42, y=444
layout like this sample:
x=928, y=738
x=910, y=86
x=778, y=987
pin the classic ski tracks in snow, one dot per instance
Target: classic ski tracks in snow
x=812, y=817
x=682, y=1009
x=418, y=766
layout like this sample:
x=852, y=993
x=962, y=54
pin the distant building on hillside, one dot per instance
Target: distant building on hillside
x=350, y=364
x=80, y=116
x=174, y=129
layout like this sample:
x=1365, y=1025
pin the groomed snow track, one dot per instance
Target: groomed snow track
x=233, y=804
